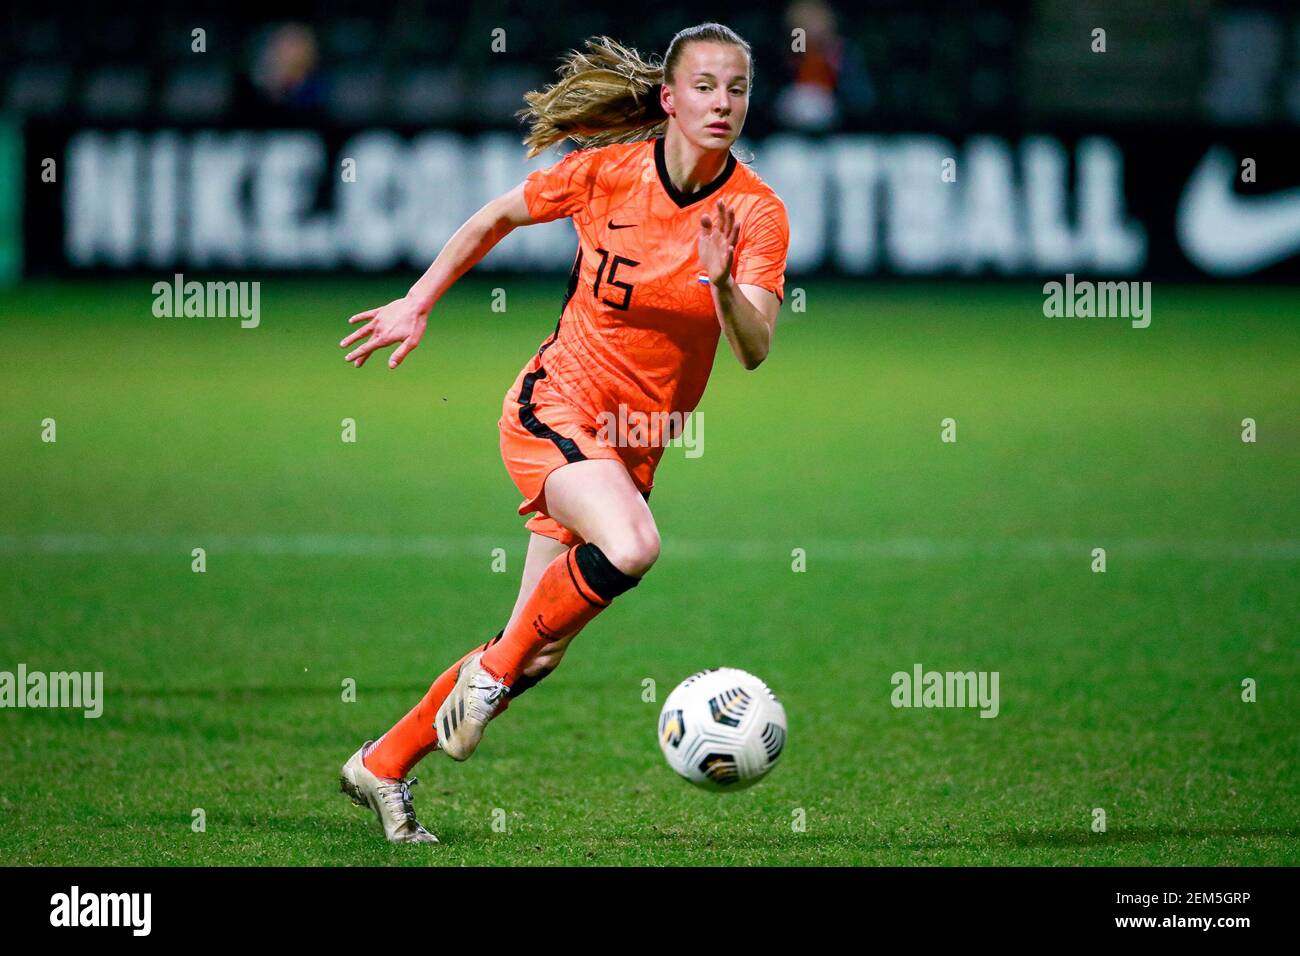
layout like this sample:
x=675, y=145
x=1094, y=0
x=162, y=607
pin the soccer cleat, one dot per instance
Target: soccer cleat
x=470, y=705
x=390, y=799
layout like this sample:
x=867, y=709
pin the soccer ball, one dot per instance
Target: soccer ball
x=722, y=729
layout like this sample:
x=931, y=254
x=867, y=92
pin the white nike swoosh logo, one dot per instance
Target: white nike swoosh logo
x=1227, y=234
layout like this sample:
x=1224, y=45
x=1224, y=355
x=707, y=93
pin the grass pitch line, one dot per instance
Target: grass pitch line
x=73, y=544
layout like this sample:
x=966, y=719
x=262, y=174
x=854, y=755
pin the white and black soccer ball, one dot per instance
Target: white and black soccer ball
x=722, y=729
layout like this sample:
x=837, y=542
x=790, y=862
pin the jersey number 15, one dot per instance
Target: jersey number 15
x=610, y=280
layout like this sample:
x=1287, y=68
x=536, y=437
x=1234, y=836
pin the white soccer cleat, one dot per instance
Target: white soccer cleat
x=470, y=705
x=390, y=799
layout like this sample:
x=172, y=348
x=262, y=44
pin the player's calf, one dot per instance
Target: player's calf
x=573, y=589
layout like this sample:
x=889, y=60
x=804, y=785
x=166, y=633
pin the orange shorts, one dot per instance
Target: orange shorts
x=541, y=431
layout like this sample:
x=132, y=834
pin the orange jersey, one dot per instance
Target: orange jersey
x=638, y=325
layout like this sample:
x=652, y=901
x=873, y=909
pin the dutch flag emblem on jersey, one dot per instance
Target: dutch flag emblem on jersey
x=702, y=278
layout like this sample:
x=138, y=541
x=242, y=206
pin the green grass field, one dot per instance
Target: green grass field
x=373, y=561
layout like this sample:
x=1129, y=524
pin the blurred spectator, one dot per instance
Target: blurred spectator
x=1291, y=85
x=285, y=73
x=1245, y=54
x=828, y=71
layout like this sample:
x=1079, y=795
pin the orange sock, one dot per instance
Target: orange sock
x=412, y=737
x=573, y=589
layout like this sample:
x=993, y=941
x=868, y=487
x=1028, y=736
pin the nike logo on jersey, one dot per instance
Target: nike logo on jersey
x=1228, y=234
x=622, y=225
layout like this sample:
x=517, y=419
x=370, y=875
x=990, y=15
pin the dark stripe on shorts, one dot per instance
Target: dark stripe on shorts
x=568, y=447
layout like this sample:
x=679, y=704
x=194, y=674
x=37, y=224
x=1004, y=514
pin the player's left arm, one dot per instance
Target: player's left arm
x=747, y=313
x=748, y=317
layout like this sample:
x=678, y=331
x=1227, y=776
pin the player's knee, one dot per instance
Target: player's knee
x=634, y=551
x=607, y=579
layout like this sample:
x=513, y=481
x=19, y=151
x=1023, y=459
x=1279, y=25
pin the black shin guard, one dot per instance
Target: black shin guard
x=523, y=682
x=600, y=574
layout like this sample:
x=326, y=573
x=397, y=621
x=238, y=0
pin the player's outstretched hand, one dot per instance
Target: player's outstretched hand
x=718, y=238
x=399, y=321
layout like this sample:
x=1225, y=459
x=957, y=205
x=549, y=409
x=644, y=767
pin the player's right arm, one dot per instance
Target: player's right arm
x=403, y=320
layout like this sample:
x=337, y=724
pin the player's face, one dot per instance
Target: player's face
x=709, y=95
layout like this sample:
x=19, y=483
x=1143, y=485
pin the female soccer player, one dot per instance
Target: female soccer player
x=657, y=277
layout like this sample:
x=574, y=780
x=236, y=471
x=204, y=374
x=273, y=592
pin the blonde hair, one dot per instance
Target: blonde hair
x=610, y=94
